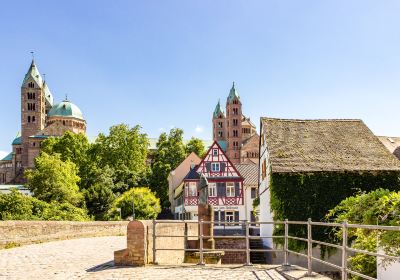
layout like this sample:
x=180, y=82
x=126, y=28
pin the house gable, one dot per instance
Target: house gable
x=216, y=164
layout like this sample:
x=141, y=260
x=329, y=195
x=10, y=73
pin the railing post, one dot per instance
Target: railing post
x=246, y=223
x=154, y=243
x=201, y=242
x=344, y=250
x=309, y=247
x=286, y=246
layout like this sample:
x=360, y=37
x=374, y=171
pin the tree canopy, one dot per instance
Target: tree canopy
x=379, y=207
x=170, y=153
x=147, y=205
x=54, y=180
x=17, y=206
x=124, y=149
x=195, y=145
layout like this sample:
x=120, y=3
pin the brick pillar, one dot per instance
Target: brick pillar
x=135, y=254
x=206, y=212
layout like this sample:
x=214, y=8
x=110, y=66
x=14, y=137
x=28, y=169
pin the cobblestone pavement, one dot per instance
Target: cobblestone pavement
x=91, y=258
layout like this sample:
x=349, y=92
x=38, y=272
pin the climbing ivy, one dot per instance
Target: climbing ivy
x=299, y=196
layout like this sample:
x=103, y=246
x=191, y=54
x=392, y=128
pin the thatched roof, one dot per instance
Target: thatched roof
x=325, y=145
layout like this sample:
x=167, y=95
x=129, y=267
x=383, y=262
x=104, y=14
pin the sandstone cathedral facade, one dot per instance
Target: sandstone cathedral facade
x=235, y=133
x=40, y=119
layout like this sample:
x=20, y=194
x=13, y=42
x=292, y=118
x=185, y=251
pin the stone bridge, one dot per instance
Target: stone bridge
x=92, y=258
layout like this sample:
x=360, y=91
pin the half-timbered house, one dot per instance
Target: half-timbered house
x=225, y=187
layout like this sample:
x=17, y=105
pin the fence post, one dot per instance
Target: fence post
x=344, y=250
x=286, y=246
x=154, y=243
x=309, y=247
x=201, y=242
x=247, y=243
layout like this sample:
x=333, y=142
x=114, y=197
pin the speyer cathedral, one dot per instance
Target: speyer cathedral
x=40, y=119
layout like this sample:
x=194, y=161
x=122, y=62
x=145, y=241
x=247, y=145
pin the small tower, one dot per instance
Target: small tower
x=234, y=125
x=32, y=110
x=219, y=123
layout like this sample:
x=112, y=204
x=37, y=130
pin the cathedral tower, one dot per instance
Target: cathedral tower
x=33, y=106
x=234, y=125
x=219, y=124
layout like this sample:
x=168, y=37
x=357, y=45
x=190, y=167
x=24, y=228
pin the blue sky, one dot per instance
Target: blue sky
x=166, y=63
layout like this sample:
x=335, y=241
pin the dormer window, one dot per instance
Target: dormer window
x=215, y=167
x=215, y=152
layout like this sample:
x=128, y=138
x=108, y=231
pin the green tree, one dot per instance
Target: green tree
x=147, y=205
x=99, y=195
x=197, y=146
x=379, y=207
x=17, y=206
x=70, y=146
x=170, y=153
x=54, y=180
x=125, y=150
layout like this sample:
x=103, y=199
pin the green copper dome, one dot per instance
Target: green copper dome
x=66, y=109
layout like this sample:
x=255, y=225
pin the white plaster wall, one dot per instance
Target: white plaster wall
x=248, y=202
x=265, y=200
x=388, y=272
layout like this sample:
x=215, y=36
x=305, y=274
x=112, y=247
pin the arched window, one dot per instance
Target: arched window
x=31, y=85
x=29, y=119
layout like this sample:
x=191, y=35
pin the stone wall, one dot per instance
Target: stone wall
x=232, y=243
x=14, y=233
x=140, y=243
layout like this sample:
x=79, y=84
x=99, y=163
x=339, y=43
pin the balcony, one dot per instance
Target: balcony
x=215, y=200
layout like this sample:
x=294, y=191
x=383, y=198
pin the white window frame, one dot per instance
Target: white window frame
x=229, y=216
x=212, y=189
x=215, y=152
x=230, y=189
x=214, y=166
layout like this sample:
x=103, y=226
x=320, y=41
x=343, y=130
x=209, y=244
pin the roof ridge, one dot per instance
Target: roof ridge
x=310, y=120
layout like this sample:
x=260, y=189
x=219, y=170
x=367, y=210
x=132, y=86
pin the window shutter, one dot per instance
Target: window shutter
x=208, y=166
x=223, y=166
x=222, y=216
x=236, y=216
x=221, y=189
x=215, y=215
x=237, y=189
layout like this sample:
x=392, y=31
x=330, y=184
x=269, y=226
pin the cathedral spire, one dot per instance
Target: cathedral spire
x=33, y=72
x=233, y=94
x=218, y=110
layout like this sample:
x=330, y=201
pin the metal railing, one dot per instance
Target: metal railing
x=344, y=247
